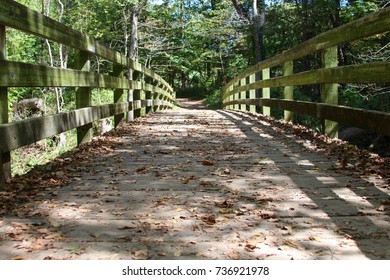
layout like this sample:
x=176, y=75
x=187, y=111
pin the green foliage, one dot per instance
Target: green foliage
x=214, y=99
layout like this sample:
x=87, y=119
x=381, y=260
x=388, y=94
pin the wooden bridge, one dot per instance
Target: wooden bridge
x=190, y=183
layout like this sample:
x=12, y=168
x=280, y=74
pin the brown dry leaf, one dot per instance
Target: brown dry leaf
x=207, y=162
x=210, y=220
x=291, y=244
x=225, y=204
x=141, y=254
x=233, y=255
x=186, y=180
x=18, y=258
x=250, y=247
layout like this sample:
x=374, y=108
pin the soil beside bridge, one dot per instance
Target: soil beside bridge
x=193, y=183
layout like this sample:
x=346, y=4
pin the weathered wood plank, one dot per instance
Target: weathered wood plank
x=369, y=120
x=378, y=72
x=330, y=92
x=5, y=157
x=266, y=91
x=119, y=94
x=18, y=74
x=369, y=25
x=84, y=98
x=36, y=129
x=288, y=91
x=20, y=17
x=252, y=93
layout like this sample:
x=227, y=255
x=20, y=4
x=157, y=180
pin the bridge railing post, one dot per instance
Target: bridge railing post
x=329, y=92
x=149, y=97
x=243, y=94
x=266, y=92
x=288, y=69
x=252, y=93
x=119, y=94
x=230, y=98
x=5, y=156
x=236, y=97
x=84, y=98
x=137, y=95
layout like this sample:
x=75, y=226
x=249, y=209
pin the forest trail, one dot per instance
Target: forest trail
x=192, y=183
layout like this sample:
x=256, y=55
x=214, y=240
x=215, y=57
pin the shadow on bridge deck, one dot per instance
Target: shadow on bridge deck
x=200, y=184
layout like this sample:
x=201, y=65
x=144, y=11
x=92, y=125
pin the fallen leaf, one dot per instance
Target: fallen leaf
x=225, y=211
x=250, y=247
x=207, y=162
x=210, y=220
x=128, y=227
x=233, y=255
x=141, y=254
x=18, y=258
x=291, y=244
x=315, y=238
x=177, y=254
x=225, y=204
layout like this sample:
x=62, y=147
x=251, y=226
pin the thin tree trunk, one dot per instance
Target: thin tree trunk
x=58, y=91
x=132, y=54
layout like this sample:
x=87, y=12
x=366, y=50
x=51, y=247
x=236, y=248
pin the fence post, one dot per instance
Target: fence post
x=5, y=156
x=236, y=96
x=329, y=92
x=266, y=92
x=243, y=94
x=84, y=98
x=149, y=96
x=119, y=96
x=137, y=95
x=288, y=69
x=252, y=93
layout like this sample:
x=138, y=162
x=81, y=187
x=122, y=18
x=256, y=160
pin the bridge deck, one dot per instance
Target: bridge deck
x=199, y=184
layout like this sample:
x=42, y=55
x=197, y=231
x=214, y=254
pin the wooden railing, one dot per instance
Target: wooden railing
x=150, y=91
x=239, y=94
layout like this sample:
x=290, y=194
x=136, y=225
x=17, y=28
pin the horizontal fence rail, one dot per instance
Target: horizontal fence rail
x=240, y=93
x=150, y=92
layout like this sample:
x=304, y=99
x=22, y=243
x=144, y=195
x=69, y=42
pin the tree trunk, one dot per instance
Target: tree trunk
x=132, y=54
x=58, y=91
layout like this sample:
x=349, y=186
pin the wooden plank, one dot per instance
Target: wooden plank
x=377, y=72
x=137, y=96
x=266, y=91
x=243, y=94
x=20, y=17
x=18, y=74
x=36, y=129
x=119, y=94
x=5, y=157
x=252, y=92
x=369, y=120
x=84, y=99
x=329, y=92
x=288, y=91
x=375, y=23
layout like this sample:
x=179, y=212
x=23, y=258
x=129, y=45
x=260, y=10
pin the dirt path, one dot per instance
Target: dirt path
x=193, y=183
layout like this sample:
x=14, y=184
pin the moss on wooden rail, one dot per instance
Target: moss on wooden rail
x=369, y=120
x=17, y=16
x=369, y=25
x=55, y=124
x=18, y=74
x=378, y=72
